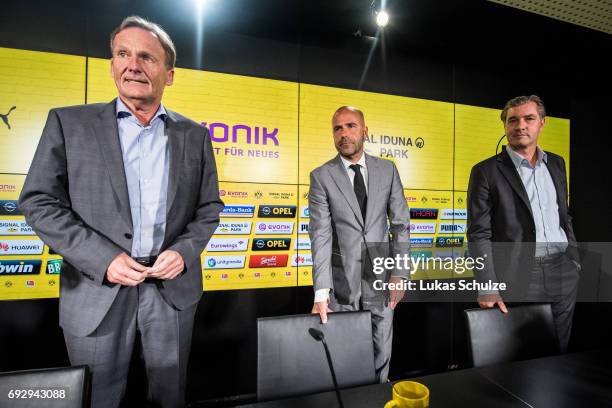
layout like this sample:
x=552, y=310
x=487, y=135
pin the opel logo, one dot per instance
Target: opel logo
x=10, y=206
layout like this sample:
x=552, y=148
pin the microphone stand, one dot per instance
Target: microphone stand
x=319, y=336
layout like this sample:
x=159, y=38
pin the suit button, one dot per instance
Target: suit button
x=127, y=235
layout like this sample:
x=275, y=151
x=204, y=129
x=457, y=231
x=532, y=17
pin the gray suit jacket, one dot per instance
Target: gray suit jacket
x=75, y=197
x=337, y=229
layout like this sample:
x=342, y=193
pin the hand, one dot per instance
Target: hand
x=488, y=301
x=169, y=265
x=395, y=295
x=322, y=309
x=125, y=271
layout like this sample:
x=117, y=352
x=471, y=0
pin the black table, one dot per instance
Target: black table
x=573, y=380
x=566, y=381
x=457, y=389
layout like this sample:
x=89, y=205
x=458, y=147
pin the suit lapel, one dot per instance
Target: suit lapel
x=374, y=180
x=176, y=144
x=506, y=166
x=106, y=132
x=555, y=175
x=343, y=182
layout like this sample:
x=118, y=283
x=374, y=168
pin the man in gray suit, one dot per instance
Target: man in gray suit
x=351, y=199
x=127, y=193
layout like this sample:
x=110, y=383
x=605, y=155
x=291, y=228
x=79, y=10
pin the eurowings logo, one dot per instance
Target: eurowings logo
x=227, y=244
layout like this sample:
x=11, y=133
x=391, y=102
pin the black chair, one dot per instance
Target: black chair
x=291, y=362
x=525, y=332
x=67, y=387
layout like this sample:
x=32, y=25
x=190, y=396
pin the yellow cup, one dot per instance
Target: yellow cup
x=409, y=394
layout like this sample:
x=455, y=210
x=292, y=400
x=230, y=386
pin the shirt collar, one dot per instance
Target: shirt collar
x=122, y=111
x=517, y=159
x=348, y=164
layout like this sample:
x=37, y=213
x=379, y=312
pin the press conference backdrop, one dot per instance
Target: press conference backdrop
x=267, y=136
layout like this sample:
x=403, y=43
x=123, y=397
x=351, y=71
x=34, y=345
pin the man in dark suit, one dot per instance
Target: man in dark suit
x=518, y=217
x=127, y=193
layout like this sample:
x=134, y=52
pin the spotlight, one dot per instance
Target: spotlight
x=202, y=5
x=382, y=18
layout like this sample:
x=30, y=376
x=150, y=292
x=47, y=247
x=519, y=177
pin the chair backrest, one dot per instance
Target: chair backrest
x=526, y=331
x=51, y=387
x=291, y=362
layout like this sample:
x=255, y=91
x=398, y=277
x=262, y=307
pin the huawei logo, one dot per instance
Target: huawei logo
x=5, y=117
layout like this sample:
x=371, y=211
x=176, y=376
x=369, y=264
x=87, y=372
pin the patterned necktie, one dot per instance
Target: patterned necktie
x=360, y=190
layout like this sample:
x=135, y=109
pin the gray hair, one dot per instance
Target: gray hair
x=521, y=100
x=162, y=36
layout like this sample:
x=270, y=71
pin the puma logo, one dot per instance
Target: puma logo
x=5, y=117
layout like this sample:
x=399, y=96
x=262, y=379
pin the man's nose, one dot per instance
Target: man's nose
x=133, y=64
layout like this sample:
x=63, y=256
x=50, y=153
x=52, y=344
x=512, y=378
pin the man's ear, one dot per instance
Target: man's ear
x=170, y=77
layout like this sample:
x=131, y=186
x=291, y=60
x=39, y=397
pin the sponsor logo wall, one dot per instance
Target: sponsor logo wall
x=27, y=270
x=251, y=247
x=255, y=138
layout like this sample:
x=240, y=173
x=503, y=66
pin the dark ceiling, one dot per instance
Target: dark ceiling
x=450, y=28
x=448, y=50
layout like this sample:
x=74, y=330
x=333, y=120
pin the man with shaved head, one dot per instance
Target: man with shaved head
x=356, y=199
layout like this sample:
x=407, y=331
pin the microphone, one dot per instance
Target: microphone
x=319, y=336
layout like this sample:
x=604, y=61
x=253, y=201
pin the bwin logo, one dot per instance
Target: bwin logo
x=5, y=117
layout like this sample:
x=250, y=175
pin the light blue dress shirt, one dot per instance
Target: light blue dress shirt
x=550, y=236
x=146, y=162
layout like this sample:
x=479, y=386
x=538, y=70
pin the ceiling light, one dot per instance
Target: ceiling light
x=382, y=18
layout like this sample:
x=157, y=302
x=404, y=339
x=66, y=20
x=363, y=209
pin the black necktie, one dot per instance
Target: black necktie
x=360, y=190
